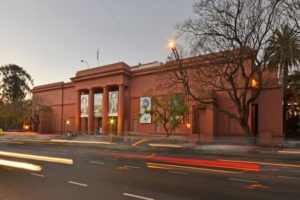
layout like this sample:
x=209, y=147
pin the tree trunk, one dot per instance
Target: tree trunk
x=246, y=128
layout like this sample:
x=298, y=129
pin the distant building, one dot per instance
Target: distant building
x=109, y=99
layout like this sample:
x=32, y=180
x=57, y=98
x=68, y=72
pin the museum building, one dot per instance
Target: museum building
x=112, y=99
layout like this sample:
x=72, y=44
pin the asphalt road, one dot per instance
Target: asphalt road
x=103, y=173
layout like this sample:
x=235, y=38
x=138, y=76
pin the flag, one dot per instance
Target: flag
x=98, y=54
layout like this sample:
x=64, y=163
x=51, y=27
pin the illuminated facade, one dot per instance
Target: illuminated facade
x=111, y=99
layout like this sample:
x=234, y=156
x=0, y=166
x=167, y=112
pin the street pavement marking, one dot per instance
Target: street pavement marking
x=110, y=158
x=137, y=196
x=177, y=172
x=242, y=180
x=133, y=167
x=287, y=177
x=39, y=175
x=97, y=162
x=76, y=183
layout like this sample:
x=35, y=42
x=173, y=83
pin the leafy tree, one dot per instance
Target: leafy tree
x=169, y=111
x=233, y=35
x=15, y=83
x=293, y=105
x=283, y=53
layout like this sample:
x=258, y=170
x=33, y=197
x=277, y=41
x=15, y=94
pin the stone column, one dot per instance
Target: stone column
x=77, y=114
x=105, y=110
x=121, y=110
x=91, y=112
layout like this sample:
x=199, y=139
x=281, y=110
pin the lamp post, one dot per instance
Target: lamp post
x=87, y=64
x=112, y=122
x=66, y=122
x=183, y=78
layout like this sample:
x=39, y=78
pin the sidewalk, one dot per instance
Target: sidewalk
x=155, y=142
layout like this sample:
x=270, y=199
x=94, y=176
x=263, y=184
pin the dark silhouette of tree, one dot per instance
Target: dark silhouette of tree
x=283, y=53
x=15, y=83
x=232, y=34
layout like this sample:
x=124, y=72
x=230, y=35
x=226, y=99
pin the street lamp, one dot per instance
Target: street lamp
x=183, y=79
x=188, y=125
x=87, y=64
x=112, y=122
x=254, y=83
x=26, y=127
x=67, y=122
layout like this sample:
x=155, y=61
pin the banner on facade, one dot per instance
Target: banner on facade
x=145, y=104
x=113, y=103
x=84, y=105
x=98, y=105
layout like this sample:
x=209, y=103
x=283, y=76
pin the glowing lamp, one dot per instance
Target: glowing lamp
x=68, y=122
x=172, y=44
x=111, y=121
x=254, y=83
x=188, y=125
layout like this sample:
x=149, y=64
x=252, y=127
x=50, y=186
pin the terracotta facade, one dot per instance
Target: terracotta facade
x=132, y=83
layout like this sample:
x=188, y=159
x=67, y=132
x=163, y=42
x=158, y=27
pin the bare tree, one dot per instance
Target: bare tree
x=37, y=108
x=292, y=10
x=232, y=35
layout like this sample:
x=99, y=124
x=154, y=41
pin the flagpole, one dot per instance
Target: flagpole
x=98, y=56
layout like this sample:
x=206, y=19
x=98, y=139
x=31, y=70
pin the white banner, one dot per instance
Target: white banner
x=84, y=105
x=145, y=104
x=98, y=105
x=113, y=104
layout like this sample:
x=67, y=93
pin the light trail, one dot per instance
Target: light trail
x=264, y=163
x=186, y=168
x=289, y=152
x=36, y=157
x=196, y=162
x=138, y=142
x=165, y=145
x=20, y=165
x=79, y=141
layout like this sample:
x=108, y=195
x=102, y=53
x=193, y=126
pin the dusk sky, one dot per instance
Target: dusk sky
x=49, y=38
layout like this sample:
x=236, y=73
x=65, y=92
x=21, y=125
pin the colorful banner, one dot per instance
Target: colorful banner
x=145, y=104
x=113, y=103
x=98, y=105
x=84, y=105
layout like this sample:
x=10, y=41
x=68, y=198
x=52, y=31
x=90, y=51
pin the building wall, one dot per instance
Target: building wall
x=270, y=111
x=144, y=81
